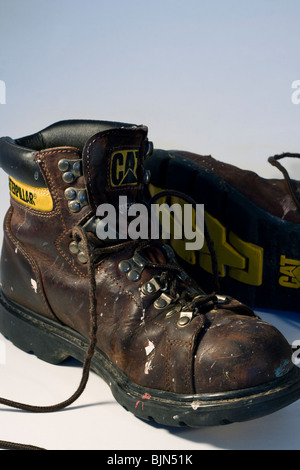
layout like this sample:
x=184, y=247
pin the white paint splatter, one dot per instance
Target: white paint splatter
x=150, y=352
x=148, y=366
x=34, y=285
x=149, y=348
x=195, y=404
x=143, y=315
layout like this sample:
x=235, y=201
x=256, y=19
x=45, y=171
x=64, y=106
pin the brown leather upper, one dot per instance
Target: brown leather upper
x=225, y=348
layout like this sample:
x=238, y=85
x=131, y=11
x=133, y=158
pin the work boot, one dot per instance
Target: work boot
x=169, y=351
x=253, y=221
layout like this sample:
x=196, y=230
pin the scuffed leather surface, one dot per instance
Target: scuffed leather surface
x=225, y=349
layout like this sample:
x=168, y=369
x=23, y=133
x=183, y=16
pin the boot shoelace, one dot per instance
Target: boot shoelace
x=290, y=184
x=170, y=282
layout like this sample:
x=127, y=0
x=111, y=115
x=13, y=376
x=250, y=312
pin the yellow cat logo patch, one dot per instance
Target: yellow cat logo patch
x=290, y=272
x=123, y=168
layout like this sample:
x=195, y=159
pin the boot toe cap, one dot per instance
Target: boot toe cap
x=238, y=353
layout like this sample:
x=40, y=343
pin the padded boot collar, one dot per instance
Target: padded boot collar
x=17, y=157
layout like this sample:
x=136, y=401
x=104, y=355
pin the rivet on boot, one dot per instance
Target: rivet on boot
x=133, y=267
x=78, y=249
x=82, y=258
x=183, y=321
x=63, y=165
x=185, y=318
x=77, y=199
x=73, y=247
x=71, y=170
x=134, y=275
x=70, y=194
x=68, y=177
x=124, y=266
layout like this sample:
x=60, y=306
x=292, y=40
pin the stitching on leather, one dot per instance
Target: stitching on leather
x=29, y=259
x=128, y=293
x=89, y=169
x=51, y=182
x=32, y=211
x=58, y=209
x=57, y=241
x=187, y=366
x=60, y=250
x=169, y=345
x=115, y=132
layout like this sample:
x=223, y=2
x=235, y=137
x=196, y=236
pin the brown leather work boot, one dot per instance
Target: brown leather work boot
x=254, y=223
x=168, y=351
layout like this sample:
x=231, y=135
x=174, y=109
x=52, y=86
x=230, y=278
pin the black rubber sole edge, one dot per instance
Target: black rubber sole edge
x=279, y=287
x=54, y=343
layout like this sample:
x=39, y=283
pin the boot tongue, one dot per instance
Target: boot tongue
x=113, y=165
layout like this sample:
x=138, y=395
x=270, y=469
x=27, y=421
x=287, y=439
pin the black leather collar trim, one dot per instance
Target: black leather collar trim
x=17, y=157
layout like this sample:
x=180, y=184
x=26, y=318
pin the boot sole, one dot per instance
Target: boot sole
x=54, y=343
x=258, y=254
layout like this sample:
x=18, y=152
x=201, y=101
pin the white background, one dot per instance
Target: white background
x=213, y=77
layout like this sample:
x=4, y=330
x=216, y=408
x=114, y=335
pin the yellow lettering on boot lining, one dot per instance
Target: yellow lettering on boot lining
x=39, y=199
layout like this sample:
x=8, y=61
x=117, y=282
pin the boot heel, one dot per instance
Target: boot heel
x=30, y=333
